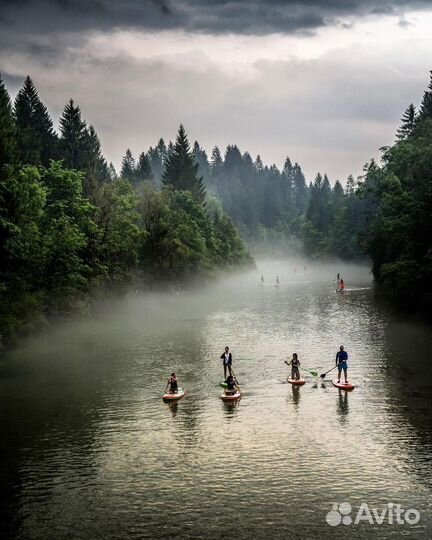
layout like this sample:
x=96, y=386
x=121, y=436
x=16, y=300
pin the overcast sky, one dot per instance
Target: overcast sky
x=324, y=82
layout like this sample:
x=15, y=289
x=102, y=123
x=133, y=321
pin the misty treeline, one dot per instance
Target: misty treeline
x=275, y=210
x=70, y=226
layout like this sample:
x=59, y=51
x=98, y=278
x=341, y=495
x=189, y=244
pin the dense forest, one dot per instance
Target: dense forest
x=70, y=224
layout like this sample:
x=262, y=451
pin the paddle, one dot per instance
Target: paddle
x=324, y=374
x=313, y=373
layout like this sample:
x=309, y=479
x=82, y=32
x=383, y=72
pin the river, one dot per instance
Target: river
x=90, y=450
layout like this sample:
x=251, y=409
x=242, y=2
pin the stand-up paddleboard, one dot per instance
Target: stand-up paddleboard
x=296, y=382
x=232, y=397
x=343, y=385
x=174, y=397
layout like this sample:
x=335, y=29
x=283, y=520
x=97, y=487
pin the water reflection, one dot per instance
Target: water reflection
x=342, y=408
x=92, y=451
x=296, y=393
x=173, y=407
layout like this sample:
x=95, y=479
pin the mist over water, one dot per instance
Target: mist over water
x=91, y=451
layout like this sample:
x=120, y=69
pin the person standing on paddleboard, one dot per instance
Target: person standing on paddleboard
x=227, y=361
x=341, y=362
x=295, y=364
x=173, y=384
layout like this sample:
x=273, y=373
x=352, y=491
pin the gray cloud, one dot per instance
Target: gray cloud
x=213, y=16
x=330, y=114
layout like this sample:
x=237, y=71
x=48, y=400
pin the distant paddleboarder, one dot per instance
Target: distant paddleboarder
x=277, y=280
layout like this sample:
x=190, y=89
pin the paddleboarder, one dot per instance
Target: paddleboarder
x=226, y=356
x=231, y=388
x=295, y=364
x=173, y=384
x=341, y=362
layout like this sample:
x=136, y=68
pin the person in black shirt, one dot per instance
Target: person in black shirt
x=172, y=383
x=227, y=361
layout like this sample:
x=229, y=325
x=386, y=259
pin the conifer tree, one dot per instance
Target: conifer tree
x=233, y=159
x=200, y=156
x=301, y=192
x=259, y=164
x=216, y=162
x=73, y=136
x=143, y=170
x=112, y=173
x=162, y=150
x=181, y=171
x=36, y=139
x=128, y=167
x=93, y=164
x=7, y=128
x=170, y=148
x=426, y=104
x=408, y=123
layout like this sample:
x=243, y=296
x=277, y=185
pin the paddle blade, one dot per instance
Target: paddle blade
x=323, y=375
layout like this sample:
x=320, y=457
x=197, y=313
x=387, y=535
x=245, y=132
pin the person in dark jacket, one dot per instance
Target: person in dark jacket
x=341, y=362
x=226, y=356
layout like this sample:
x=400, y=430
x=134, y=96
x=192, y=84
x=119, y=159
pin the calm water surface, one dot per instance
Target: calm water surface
x=90, y=451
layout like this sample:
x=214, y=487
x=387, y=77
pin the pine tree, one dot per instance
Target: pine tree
x=128, y=167
x=73, y=136
x=233, y=162
x=181, y=170
x=7, y=128
x=259, y=164
x=408, y=123
x=112, y=173
x=200, y=156
x=338, y=193
x=216, y=162
x=93, y=164
x=301, y=192
x=162, y=151
x=156, y=163
x=36, y=139
x=426, y=104
x=143, y=170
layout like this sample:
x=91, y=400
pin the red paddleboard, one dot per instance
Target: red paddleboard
x=343, y=385
x=296, y=382
x=174, y=397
